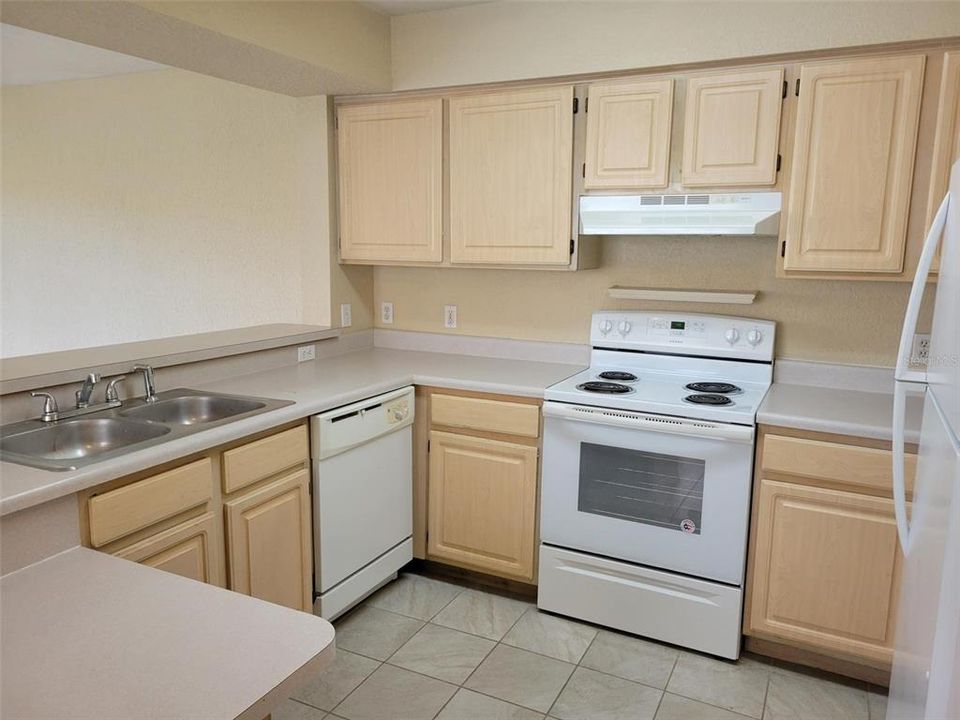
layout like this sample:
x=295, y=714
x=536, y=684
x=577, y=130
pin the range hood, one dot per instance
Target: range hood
x=722, y=214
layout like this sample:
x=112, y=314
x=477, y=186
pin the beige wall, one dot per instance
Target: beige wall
x=158, y=204
x=847, y=322
x=514, y=40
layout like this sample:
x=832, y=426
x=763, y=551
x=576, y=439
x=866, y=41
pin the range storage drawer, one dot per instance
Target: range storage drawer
x=136, y=506
x=674, y=608
x=498, y=416
x=861, y=467
x=262, y=458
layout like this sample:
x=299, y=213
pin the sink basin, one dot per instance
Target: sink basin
x=193, y=409
x=80, y=438
x=75, y=442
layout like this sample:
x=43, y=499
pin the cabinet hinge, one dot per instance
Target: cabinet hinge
x=572, y=246
x=779, y=160
x=586, y=105
x=783, y=249
x=576, y=105
x=797, y=91
x=583, y=170
x=785, y=85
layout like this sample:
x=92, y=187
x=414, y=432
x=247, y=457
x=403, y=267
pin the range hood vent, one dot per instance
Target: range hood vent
x=721, y=214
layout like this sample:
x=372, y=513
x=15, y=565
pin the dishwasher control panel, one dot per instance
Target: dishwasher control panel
x=397, y=410
x=359, y=423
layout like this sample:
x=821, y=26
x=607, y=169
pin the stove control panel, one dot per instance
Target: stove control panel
x=685, y=334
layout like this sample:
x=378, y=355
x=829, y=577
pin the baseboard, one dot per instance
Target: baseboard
x=818, y=661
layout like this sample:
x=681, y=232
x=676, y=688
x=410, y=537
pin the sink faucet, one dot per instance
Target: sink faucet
x=150, y=388
x=86, y=390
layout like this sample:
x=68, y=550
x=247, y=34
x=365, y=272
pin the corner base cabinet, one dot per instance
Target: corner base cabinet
x=482, y=484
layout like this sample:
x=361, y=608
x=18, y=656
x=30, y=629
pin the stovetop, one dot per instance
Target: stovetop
x=648, y=370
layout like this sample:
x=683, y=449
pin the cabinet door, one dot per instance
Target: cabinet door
x=731, y=128
x=193, y=549
x=511, y=179
x=390, y=181
x=826, y=569
x=483, y=504
x=628, y=135
x=946, y=142
x=853, y=158
x=269, y=542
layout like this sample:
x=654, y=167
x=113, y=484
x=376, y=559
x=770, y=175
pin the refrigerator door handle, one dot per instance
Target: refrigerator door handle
x=899, y=479
x=912, y=315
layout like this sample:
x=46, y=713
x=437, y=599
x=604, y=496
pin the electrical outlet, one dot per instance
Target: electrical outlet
x=346, y=316
x=386, y=313
x=306, y=352
x=449, y=316
x=920, y=352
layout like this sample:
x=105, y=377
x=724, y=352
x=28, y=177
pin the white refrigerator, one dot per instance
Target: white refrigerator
x=926, y=669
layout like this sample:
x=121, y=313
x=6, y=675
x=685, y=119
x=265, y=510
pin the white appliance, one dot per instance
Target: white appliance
x=720, y=214
x=647, y=469
x=362, y=498
x=926, y=670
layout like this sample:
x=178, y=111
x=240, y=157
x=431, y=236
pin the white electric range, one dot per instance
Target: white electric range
x=647, y=470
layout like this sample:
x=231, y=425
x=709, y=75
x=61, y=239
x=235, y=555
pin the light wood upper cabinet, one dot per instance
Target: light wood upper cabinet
x=732, y=128
x=826, y=570
x=628, y=135
x=269, y=541
x=511, y=156
x=390, y=163
x=192, y=549
x=946, y=142
x=483, y=504
x=849, y=191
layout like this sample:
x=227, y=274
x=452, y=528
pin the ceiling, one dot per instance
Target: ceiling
x=30, y=58
x=406, y=7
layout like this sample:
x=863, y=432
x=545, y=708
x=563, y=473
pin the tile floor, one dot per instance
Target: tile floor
x=422, y=648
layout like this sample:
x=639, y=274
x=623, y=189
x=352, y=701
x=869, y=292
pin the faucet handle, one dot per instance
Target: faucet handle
x=112, y=394
x=50, y=408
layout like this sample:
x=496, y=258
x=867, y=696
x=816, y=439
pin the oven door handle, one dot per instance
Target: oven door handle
x=645, y=421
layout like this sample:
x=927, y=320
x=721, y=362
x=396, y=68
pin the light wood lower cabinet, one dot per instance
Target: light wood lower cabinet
x=824, y=567
x=191, y=549
x=827, y=569
x=483, y=504
x=268, y=540
x=237, y=517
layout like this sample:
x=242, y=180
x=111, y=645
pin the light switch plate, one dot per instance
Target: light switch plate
x=306, y=352
x=346, y=316
x=386, y=313
x=449, y=316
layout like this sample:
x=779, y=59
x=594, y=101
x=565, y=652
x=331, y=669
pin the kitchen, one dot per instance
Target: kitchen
x=479, y=359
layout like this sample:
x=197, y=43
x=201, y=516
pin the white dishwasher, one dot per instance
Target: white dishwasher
x=362, y=498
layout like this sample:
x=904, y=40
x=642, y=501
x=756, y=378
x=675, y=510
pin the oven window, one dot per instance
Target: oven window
x=643, y=487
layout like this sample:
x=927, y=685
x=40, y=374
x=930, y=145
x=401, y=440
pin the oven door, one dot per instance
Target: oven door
x=671, y=493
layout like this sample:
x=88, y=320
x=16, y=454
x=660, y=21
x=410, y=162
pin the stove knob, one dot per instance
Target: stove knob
x=732, y=335
x=624, y=328
x=754, y=337
x=605, y=327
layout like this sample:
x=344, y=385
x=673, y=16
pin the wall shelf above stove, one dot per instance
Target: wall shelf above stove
x=722, y=297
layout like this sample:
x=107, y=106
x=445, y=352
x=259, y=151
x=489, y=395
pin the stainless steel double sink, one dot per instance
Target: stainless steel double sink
x=76, y=442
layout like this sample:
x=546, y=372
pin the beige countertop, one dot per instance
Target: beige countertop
x=88, y=635
x=831, y=410
x=313, y=387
